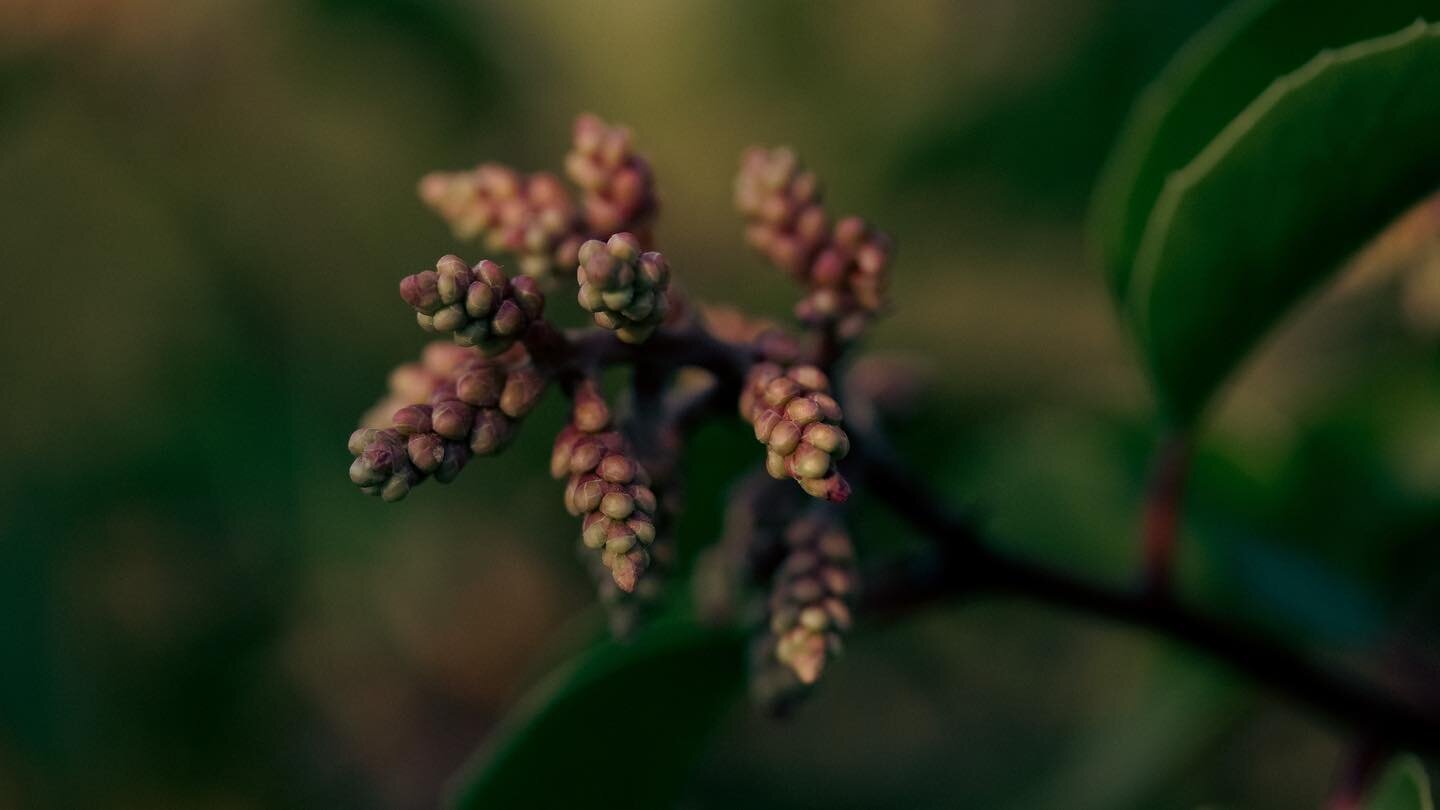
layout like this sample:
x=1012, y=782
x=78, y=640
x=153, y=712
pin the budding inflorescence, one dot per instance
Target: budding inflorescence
x=622, y=288
x=465, y=396
x=619, y=192
x=471, y=411
x=808, y=607
x=413, y=383
x=780, y=200
x=798, y=421
x=607, y=489
x=808, y=610
x=530, y=217
x=479, y=305
x=844, y=268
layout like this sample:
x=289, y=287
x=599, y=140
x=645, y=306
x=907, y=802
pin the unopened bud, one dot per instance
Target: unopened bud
x=523, y=388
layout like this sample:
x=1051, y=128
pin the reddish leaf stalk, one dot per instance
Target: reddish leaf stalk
x=1359, y=771
x=1164, y=505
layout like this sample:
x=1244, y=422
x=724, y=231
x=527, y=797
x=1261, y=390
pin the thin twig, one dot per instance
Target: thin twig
x=960, y=566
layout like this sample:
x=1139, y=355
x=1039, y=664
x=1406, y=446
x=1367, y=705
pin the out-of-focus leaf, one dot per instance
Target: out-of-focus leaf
x=1187, y=707
x=1273, y=205
x=1404, y=786
x=619, y=727
x=1295, y=591
x=1221, y=70
x=1041, y=142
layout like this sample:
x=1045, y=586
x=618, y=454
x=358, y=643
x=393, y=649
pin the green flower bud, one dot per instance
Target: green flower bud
x=622, y=288
x=807, y=613
x=809, y=461
x=396, y=488
x=490, y=432
x=617, y=505
x=595, y=530
x=454, y=458
x=453, y=419
x=452, y=279
x=798, y=421
x=479, y=305
x=785, y=437
x=481, y=386
x=618, y=190
x=643, y=528
x=480, y=300
x=590, y=413
x=421, y=291
x=589, y=494
x=361, y=439
x=523, y=388
x=449, y=318
x=509, y=320
x=363, y=472
x=426, y=451
x=412, y=419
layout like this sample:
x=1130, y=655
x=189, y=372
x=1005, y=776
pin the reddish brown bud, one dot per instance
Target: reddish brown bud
x=453, y=419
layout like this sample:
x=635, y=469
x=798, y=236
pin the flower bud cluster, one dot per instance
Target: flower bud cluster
x=619, y=188
x=848, y=278
x=845, y=268
x=623, y=289
x=480, y=305
x=780, y=200
x=799, y=423
x=751, y=547
x=607, y=489
x=627, y=611
x=809, y=604
x=472, y=411
x=413, y=383
x=531, y=216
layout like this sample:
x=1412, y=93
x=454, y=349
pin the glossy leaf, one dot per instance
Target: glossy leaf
x=1209, y=82
x=619, y=727
x=1320, y=162
x=1403, y=786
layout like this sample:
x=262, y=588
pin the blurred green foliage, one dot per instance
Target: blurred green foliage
x=206, y=207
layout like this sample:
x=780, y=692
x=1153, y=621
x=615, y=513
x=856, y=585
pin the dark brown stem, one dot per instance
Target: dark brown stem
x=1164, y=503
x=670, y=348
x=959, y=566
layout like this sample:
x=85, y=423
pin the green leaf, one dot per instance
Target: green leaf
x=1404, y=786
x=1321, y=161
x=618, y=727
x=1209, y=82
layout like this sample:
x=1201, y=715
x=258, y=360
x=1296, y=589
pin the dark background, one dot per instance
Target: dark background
x=205, y=206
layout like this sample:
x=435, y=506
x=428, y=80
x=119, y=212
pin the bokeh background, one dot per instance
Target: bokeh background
x=205, y=206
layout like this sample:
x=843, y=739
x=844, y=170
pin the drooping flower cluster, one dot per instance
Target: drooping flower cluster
x=808, y=607
x=844, y=268
x=750, y=548
x=471, y=411
x=606, y=488
x=619, y=190
x=622, y=288
x=799, y=423
x=480, y=305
